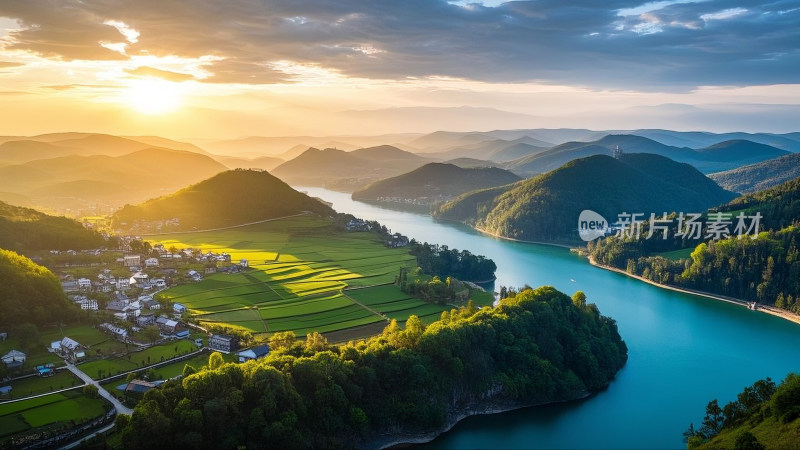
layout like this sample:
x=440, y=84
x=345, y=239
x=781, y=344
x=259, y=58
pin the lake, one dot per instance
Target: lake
x=684, y=350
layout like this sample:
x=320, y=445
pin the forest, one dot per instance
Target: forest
x=536, y=347
x=443, y=262
x=27, y=230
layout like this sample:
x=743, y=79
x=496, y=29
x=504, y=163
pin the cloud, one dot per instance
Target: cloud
x=664, y=45
x=146, y=71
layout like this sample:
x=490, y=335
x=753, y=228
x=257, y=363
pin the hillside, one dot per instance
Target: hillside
x=229, y=198
x=347, y=171
x=722, y=156
x=29, y=293
x=778, y=205
x=132, y=177
x=15, y=152
x=263, y=162
x=27, y=230
x=547, y=207
x=434, y=183
x=763, y=416
x=759, y=176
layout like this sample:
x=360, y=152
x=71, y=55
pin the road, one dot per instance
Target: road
x=121, y=409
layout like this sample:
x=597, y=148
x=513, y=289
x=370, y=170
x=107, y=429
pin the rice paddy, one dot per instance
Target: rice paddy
x=303, y=277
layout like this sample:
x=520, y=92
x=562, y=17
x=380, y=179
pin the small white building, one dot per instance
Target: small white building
x=84, y=284
x=151, y=262
x=132, y=260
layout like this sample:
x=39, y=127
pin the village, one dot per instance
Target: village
x=134, y=335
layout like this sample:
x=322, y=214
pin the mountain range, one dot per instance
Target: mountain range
x=759, y=176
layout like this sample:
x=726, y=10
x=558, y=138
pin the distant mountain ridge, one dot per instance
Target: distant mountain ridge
x=347, y=170
x=759, y=176
x=721, y=156
x=547, y=207
x=432, y=183
x=230, y=198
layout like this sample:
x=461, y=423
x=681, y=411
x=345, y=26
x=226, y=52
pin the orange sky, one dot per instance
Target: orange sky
x=265, y=71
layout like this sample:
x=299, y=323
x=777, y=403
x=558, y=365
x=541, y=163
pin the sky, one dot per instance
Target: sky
x=224, y=69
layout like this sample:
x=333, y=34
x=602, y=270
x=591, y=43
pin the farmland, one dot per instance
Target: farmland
x=106, y=367
x=66, y=408
x=304, y=276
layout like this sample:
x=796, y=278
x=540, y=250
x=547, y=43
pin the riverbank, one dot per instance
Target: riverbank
x=506, y=238
x=786, y=315
x=408, y=439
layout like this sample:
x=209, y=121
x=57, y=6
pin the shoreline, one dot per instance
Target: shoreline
x=409, y=439
x=506, y=238
x=786, y=315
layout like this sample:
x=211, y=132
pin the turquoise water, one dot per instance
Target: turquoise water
x=683, y=350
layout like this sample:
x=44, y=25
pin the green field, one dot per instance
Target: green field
x=675, y=255
x=48, y=410
x=106, y=367
x=35, y=385
x=299, y=270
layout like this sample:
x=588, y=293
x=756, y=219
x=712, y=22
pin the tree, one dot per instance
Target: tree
x=712, y=422
x=215, y=361
x=151, y=333
x=90, y=391
x=316, y=342
x=282, y=341
x=746, y=441
x=579, y=299
x=27, y=335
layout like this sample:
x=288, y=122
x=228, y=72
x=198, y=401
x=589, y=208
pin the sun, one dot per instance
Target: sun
x=153, y=96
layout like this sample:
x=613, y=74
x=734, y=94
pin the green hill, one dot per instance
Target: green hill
x=779, y=205
x=434, y=182
x=24, y=230
x=29, y=293
x=722, y=156
x=547, y=207
x=763, y=416
x=759, y=176
x=347, y=170
x=230, y=198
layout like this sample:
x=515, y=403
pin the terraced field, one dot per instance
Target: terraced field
x=304, y=277
x=54, y=410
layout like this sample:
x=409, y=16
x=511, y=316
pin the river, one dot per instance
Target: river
x=684, y=350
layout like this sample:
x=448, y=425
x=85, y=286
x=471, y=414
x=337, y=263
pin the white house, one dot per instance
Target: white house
x=132, y=260
x=84, y=284
x=151, y=262
x=14, y=358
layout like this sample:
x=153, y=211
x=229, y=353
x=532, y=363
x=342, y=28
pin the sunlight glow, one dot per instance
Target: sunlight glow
x=153, y=96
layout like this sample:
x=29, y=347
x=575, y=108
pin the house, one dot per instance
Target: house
x=210, y=270
x=139, y=387
x=84, y=284
x=139, y=278
x=69, y=286
x=150, y=304
x=158, y=282
x=397, y=240
x=88, y=305
x=182, y=334
x=223, y=343
x=131, y=260
x=145, y=319
x=70, y=348
x=194, y=275
x=119, y=332
x=244, y=263
x=14, y=359
x=179, y=308
x=123, y=284
x=253, y=353
x=116, y=305
x=44, y=371
x=166, y=325
x=151, y=262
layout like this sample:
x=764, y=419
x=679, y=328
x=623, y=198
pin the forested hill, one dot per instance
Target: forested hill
x=434, y=182
x=760, y=176
x=547, y=207
x=30, y=293
x=26, y=230
x=763, y=416
x=229, y=198
x=779, y=205
x=537, y=347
